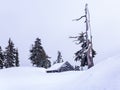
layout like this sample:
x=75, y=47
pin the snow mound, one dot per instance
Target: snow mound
x=103, y=76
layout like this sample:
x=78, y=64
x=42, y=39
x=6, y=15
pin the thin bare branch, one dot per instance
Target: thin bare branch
x=79, y=18
x=73, y=37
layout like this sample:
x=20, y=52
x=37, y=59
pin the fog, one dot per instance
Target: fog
x=51, y=20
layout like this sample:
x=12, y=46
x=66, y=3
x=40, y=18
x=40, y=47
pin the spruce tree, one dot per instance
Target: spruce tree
x=59, y=58
x=38, y=56
x=17, y=58
x=10, y=55
x=1, y=58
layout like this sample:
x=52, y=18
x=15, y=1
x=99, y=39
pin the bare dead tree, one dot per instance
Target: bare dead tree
x=89, y=51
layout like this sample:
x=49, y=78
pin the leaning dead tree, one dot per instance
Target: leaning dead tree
x=86, y=53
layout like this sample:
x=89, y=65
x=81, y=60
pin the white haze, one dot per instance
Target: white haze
x=51, y=20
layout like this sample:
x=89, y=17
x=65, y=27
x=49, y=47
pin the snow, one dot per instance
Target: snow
x=103, y=76
x=56, y=66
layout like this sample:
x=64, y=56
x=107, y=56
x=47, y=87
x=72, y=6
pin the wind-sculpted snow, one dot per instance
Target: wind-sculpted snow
x=103, y=76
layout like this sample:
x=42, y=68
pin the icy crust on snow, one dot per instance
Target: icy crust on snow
x=103, y=76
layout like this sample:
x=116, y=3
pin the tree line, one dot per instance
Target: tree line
x=38, y=57
x=9, y=57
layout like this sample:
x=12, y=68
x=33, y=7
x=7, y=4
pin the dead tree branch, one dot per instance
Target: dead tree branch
x=79, y=18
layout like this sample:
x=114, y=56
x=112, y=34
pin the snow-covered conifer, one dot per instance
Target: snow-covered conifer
x=1, y=58
x=17, y=64
x=10, y=55
x=59, y=58
x=38, y=56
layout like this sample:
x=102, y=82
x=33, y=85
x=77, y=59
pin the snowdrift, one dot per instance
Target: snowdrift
x=103, y=76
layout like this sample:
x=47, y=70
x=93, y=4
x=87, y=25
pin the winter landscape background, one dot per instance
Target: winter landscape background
x=25, y=20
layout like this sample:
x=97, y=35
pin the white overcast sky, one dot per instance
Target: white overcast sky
x=51, y=20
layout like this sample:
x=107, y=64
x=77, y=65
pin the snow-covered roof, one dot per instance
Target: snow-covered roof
x=61, y=67
x=56, y=66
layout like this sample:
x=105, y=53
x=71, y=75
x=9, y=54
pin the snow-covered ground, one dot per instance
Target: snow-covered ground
x=103, y=76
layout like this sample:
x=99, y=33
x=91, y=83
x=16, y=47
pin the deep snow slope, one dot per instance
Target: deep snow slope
x=103, y=76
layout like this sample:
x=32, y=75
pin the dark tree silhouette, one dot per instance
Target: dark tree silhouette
x=86, y=54
x=1, y=58
x=38, y=56
x=17, y=64
x=59, y=58
x=10, y=54
x=81, y=55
